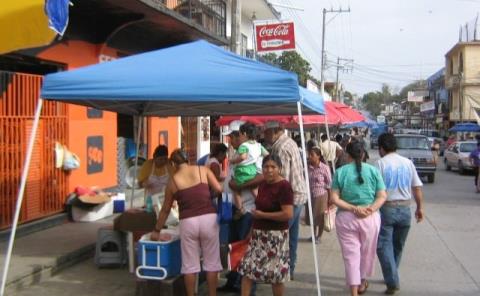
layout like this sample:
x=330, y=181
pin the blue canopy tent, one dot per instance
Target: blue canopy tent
x=465, y=127
x=193, y=79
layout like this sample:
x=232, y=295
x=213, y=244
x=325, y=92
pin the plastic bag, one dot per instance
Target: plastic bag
x=70, y=160
x=224, y=208
x=236, y=253
x=329, y=218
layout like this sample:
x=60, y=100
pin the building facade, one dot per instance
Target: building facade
x=437, y=106
x=99, y=31
x=462, y=81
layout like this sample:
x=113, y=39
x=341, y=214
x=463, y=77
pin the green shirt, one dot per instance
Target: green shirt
x=346, y=181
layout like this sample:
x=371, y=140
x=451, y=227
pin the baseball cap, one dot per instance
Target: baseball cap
x=234, y=126
x=272, y=124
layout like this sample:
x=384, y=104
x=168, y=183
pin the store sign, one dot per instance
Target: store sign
x=94, y=154
x=278, y=36
x=427, y=106
x=416, y=96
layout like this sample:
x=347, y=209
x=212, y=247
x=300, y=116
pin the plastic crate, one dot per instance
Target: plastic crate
x=159, y=260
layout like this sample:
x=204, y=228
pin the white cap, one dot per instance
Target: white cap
x=234, y=126
x=272, y=124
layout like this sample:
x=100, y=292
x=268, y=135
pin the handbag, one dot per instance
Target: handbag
x=236, y=252
x=224, y=208
x=329, y=218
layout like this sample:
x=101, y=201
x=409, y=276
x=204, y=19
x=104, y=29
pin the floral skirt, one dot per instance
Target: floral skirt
x=267, y=257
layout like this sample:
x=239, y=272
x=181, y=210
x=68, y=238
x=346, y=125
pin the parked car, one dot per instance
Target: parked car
x=417, y=148
x=457, y=156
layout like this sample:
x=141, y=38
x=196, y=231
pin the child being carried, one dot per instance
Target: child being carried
x=248, y=161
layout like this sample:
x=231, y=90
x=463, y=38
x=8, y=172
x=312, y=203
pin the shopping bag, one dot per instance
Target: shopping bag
x=224, y=209
x=71, y=161
x=329, y=218
x=236, y=252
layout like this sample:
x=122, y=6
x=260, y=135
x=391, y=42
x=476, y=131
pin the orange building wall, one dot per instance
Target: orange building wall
x=103, y=161
x=78, y=54
x=158, y=128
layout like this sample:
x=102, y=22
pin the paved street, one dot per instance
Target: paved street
x=441, y=256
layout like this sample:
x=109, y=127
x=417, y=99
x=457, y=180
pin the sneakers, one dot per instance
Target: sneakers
x=391, y=290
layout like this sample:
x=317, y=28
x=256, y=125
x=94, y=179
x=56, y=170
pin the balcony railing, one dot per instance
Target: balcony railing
x=210, y=14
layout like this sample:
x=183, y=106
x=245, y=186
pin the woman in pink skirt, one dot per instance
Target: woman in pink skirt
x=358, y=191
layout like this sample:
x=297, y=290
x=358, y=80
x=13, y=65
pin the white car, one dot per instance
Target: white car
x=457, y=156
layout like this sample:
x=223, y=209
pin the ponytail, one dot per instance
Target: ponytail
x=355, y=150
x=358, y=165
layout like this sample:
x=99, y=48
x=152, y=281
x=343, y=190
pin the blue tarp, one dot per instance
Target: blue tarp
x=193, y=79
x=465, y=127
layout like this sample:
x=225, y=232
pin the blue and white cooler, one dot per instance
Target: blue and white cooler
x=159, y=260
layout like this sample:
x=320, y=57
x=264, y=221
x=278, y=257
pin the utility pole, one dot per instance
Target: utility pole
x=346, y=66
x=322, y=75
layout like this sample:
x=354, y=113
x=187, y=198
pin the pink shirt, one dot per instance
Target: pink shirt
x=320, y=179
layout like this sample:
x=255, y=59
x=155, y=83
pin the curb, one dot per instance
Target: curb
x=42, y=273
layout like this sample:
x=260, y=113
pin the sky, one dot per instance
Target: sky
x=390, y=41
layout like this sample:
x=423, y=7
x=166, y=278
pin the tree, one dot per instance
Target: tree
x=270, y=58
x=347, y=98
x=372, y=102
x=292, y=61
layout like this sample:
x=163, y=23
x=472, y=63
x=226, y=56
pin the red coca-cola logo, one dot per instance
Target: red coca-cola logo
x=277, y=36
x=280, y=30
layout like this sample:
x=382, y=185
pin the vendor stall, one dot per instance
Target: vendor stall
x=194, y=79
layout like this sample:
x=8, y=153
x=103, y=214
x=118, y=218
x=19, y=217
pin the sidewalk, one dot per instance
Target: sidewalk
x=433, y=263
x=38, y=256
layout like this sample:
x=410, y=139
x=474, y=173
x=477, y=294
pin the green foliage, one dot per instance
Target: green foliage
x=373, y=101
x=348, y=98
x=290, y=61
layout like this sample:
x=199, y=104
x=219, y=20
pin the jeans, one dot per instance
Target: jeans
x=293, y=225
x=392, y=237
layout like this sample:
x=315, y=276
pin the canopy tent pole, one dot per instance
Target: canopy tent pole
x=139, y=131
x=21, y=190
x=309, y=199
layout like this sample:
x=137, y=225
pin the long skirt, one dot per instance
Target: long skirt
x=267, y=257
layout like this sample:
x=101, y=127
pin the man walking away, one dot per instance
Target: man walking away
x=402, y=182
x=292, y=171
x=331, y=150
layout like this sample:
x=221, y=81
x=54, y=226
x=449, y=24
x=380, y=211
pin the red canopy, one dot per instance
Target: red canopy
x=336, y=113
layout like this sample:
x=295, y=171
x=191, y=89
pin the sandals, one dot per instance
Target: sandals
x=365, y=287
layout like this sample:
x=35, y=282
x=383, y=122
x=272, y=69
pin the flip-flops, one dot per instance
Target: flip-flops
x=365, y=285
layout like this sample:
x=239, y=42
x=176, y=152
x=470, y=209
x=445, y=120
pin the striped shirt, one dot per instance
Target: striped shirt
x=320, y=179
x=292, y=169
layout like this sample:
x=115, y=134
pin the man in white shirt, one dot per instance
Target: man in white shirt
x=331, y=150
x=402, y=183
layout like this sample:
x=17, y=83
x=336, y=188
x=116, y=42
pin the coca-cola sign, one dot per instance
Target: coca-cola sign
x=278, y=36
